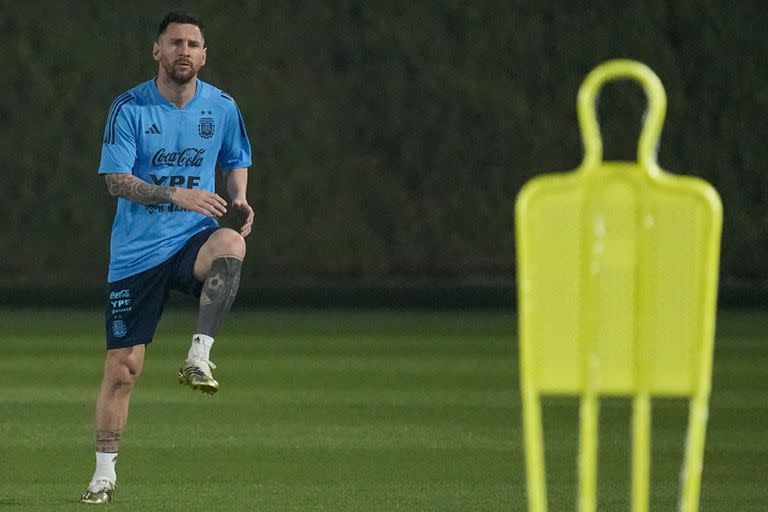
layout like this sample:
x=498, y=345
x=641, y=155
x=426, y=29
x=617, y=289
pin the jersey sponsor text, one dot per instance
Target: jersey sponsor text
x=188, y=157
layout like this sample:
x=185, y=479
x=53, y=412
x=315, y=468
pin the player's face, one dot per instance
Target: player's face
x=180, y=51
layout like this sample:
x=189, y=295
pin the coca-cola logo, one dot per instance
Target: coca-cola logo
x=189, y=157
x=122, y=294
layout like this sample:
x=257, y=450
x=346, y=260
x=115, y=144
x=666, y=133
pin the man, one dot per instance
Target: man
x=162, y=142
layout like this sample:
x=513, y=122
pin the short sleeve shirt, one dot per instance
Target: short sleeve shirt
x=154, y=140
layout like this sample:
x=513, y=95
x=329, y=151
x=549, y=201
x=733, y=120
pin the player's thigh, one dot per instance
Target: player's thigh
x=134, y=307
x=224, y=242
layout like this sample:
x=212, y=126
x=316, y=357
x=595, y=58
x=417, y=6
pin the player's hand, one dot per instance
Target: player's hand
x=246, y=214
x=200, y=201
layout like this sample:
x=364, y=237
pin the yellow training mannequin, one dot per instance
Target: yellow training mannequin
x=617, y=268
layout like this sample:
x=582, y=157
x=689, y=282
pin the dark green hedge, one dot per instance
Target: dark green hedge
x=391, y=137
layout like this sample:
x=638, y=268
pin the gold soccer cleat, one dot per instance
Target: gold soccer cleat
x=197, y=374
x=98, y=493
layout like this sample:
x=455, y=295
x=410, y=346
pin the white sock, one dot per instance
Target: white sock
x=200, y=348
x=105, y=467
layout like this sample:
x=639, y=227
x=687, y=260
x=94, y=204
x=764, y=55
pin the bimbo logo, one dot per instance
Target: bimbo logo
x=188, y=157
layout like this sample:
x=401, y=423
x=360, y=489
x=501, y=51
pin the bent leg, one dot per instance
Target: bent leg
x=218, y=266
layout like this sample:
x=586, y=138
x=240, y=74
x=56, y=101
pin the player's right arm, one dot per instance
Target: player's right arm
x=139, y=191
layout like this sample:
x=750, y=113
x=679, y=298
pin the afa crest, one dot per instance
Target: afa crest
x=119, y=329
x=205, y=128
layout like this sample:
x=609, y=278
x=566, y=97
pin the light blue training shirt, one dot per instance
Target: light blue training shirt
x=156, y=141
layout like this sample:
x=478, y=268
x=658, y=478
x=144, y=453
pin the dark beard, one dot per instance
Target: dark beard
x=179, y=77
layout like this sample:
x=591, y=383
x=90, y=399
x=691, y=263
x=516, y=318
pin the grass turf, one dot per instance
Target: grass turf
x=348, y=411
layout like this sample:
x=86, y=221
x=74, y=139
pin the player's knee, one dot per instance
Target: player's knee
x=125, y=376
x=230, y=242
x=122, y=372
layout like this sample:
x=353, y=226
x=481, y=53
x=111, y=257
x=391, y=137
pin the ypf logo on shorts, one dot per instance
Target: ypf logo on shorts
x=120, y=301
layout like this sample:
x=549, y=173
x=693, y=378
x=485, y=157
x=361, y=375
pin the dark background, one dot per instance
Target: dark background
x=390, y=138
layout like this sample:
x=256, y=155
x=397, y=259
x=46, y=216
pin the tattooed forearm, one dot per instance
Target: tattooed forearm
x=107, y=441
x=137, y=190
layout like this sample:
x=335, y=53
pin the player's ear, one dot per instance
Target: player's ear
x=205, y=56
x=156, y=51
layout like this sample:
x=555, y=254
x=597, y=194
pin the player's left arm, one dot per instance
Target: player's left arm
x=237, y=183
x=235, y=158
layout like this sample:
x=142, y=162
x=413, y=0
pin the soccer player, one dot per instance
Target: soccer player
x=162, y=142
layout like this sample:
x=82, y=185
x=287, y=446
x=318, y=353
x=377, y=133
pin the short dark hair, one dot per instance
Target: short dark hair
x=180, y=16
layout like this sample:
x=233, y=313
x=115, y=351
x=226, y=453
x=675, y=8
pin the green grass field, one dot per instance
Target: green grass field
x=347, y=411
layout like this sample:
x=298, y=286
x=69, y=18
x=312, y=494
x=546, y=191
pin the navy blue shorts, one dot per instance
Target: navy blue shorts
x=135, y=304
